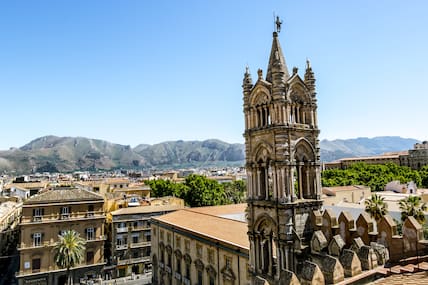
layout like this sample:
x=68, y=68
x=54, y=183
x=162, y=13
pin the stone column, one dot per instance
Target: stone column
x=300, y=180
x=270, y=256
x=258, y=183
x=308, y=185
x=278, y=260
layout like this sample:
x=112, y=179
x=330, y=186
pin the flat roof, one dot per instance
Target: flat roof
x=145, y=209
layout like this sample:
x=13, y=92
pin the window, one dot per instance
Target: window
x=90, y=210
x=154, y=231
x=199, y=277
x=135, y=238
x=188, y=270
x=38, y=214
x=65, y=212
x=37, y=239
x=121, y=240
x=35, y=265
x=161, y=234
x=178, y=263
x=211, y=280
x=89, y=257
x=90, y=233
x=168, y=238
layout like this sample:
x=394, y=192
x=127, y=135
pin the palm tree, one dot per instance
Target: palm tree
x=69, y=251
x=376, y=206
x=413, y=206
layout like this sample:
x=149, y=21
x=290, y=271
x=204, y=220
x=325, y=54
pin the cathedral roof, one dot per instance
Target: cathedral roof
x=276, y=60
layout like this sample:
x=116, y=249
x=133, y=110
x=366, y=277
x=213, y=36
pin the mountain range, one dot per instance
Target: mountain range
x=66, y=154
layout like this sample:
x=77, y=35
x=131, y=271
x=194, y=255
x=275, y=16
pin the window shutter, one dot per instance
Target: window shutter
x=43, y=211
x=69, y=209
x=34, y=212
x=32, y=236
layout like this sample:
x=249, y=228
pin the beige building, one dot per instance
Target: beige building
x=47, y=215
x=10, y=212
x=131, y=237
x=207, y=245
x=349, y=194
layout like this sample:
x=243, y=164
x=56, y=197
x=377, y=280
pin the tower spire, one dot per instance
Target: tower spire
x=277, y=62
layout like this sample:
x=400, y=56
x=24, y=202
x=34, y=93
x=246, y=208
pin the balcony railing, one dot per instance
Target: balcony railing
x=53, y=242
x=140, y=244
x=58, y=217
x=122, y=230
x=133, y=260
x=140, y=228
x=121, y=246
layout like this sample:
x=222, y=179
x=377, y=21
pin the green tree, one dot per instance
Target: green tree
x=235, y=191
x=69, y=251
x=413, y=206
x=202, y=191
x=376, y=206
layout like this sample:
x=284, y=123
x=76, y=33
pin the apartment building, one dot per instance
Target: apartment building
x=47, y=215
x=131, y=237
x=207, y=245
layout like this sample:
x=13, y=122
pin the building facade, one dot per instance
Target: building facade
x=131, y=238
x=207, y=245
x=44, y=217
x=283, y=166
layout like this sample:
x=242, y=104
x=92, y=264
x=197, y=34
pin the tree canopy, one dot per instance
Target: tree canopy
x=198, y=190
x=413, y=206
x=375, y=176
x=376, y=206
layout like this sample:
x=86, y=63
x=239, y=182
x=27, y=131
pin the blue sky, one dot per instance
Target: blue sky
x=135, y=72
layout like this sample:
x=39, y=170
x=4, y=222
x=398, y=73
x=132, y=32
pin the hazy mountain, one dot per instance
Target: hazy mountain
x=66, y=154
x=335, y=149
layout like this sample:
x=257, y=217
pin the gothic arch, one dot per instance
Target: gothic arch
x=303, y=151
x=262, y=152
x=265, y=233
x=266, y=224
x=306, y=172
x=260, y=96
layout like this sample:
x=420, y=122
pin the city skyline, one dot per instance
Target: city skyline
x=140, y=72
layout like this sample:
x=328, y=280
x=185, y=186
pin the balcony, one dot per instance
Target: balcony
x=122, y=230
x=140, y=228
x=133, y=260
x=140, y=244
x=58, y=217
x=121, y=247
x=100, y=238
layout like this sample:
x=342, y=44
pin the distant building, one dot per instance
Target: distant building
x=207, y=245
x=10, y=213
x=350, y=194
x=131, y=237
x=47, y=215
x=414, y=158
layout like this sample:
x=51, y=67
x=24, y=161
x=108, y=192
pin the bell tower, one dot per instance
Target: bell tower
x=283, y=166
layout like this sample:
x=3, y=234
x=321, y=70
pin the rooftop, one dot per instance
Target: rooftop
x=64, y=195
x=145, y=209
x=211, y=223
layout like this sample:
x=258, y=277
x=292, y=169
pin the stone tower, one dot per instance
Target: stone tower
x=283, y=167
